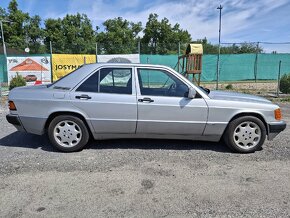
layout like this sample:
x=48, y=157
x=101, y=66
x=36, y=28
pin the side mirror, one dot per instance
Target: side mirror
x=191, y=93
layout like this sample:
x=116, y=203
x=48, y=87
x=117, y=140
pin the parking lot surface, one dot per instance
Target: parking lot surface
x=142, y=178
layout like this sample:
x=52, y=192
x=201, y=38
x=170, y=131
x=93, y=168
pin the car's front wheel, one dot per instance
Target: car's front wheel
x=245, y=134
x=68, y=133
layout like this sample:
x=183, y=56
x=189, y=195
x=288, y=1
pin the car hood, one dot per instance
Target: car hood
x=235, y=96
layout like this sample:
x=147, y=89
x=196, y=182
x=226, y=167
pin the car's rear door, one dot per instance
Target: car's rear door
x=163, y=107
x=108, y=98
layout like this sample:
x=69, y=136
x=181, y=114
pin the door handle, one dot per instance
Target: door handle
x=83, y=97
x=146, y=100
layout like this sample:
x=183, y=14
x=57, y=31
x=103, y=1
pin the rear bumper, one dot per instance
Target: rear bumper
x=15, y=121
x=275, y=129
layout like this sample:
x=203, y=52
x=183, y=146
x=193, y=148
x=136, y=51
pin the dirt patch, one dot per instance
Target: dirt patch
x=248, y=87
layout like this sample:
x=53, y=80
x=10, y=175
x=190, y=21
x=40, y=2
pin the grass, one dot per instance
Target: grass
x=283, y=100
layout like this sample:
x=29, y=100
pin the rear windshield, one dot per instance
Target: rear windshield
x=57, y=87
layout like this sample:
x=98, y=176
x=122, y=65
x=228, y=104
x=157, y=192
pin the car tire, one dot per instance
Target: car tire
x=68, y=133
x=245, y=134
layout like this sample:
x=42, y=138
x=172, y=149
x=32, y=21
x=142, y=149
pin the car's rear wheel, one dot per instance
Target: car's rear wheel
x=68, y=133
x=245, y=134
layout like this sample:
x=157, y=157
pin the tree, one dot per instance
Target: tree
x=242, y=48
x=53, y=32
x=208, y=48
x=72, y=34
x=250, y=48
x=34, y=35
x=14, y=30
x=161, y=38
x=120, y=36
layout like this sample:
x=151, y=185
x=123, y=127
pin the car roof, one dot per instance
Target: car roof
x=125, y=64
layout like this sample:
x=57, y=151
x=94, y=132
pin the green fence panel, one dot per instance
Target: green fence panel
x=208, y=68
x=268, y=65
x=167, y=60
x=233, y=67
x=3, y=69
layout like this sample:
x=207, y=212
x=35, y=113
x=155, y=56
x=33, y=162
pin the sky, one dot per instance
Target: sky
x=242, y=20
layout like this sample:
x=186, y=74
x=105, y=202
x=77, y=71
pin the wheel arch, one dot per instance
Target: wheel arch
x=253, y=114
x=58, y=113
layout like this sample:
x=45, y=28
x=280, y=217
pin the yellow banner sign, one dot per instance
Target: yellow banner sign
x=63, y=64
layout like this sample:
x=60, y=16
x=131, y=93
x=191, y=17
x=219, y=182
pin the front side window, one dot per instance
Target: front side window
x=160, y=83
x=109, y=80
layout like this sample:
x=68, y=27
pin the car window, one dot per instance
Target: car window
x=160, y=83
x=91, y=84
x=109, y=80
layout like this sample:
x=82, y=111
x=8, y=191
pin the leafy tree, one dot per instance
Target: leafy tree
x=250, y=48
x=75, y=34
x=120, y=36
x=34, y=35
x=53, y=32
x=245, y=47
x=14, y=30
x=72, y=34
x=208, y=48
x=161, y=38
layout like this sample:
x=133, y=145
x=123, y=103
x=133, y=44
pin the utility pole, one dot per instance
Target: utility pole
x=219, y=49
x=256, y=63
x=51, y=66
x=96, y=52
x=278, y=82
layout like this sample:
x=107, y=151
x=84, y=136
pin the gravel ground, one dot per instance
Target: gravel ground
x=142, y=178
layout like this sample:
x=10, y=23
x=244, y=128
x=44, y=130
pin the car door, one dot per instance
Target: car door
x=108, y=98
x=163, y=106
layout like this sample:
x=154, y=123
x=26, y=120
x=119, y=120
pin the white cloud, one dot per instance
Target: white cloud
x=242, y=20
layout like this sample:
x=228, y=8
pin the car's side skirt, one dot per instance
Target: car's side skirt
x=212, y=138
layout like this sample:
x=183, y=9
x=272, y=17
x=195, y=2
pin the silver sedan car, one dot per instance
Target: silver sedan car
x=107, y=101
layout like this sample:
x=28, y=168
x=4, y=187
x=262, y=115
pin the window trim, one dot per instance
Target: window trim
x=106, y=67
x=160, y=69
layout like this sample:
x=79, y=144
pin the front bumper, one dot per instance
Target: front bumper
x=15, y=121
x=275, y=129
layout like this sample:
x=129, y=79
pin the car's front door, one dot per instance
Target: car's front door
x=109, y=100
x=163, y=106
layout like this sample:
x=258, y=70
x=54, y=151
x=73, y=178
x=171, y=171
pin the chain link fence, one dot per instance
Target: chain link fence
x=243, y=66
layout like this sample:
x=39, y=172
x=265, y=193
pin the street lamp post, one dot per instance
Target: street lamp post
x=219, y=49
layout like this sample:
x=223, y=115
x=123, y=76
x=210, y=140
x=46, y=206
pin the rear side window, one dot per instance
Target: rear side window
x=91, y=84
x=109, y=80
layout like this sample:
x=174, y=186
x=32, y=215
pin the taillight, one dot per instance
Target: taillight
x=12, y=106
x=278, y=114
